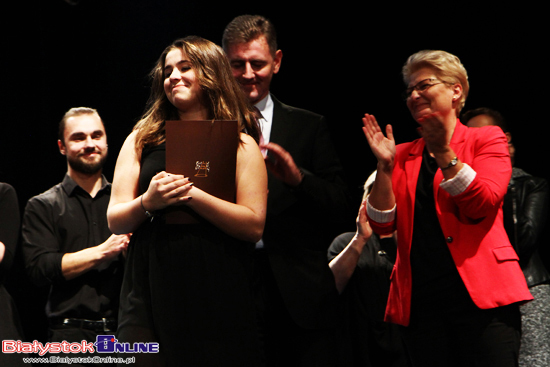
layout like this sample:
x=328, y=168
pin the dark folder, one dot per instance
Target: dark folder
x=206, y=152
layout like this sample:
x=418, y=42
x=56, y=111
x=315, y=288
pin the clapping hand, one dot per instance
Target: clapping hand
x=281, y=164
x=364, y=231
x=435, y=132
x=383, y=147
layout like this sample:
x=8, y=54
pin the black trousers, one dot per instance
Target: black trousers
x=71, y=334
x=449, y=330
x=285, y=343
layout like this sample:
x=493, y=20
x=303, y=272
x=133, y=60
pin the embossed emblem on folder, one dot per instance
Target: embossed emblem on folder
x=202, y=168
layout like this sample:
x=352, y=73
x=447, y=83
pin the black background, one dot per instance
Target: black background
x=341, y=59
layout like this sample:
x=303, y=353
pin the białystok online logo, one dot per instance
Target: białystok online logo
x=103, y=344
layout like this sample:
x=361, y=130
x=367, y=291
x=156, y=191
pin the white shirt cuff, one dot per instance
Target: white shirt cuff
x=460, y=182
x=453, y=186
x=380, y=216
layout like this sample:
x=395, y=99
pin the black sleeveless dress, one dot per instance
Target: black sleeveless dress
x=187, y=287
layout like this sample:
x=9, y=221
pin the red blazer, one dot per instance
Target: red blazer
x=471, y=222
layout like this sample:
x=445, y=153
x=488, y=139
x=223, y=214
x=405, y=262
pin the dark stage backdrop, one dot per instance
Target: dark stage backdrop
x=340, y=60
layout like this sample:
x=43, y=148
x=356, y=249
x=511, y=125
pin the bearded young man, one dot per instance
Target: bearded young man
x=66, y=241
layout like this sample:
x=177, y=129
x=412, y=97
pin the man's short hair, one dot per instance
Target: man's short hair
x=246, y=28
x=75, y=111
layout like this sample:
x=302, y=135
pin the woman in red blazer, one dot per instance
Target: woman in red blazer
x=456, y=284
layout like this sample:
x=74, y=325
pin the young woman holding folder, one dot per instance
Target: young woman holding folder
x=187, y=286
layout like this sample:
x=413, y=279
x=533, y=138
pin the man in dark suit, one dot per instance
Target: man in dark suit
x=308, y=198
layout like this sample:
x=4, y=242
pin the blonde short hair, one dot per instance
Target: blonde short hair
x=447, y=67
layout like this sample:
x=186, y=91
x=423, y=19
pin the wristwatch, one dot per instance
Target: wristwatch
x=452, y=163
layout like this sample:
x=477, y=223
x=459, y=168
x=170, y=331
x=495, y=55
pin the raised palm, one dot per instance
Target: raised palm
x=383, y=147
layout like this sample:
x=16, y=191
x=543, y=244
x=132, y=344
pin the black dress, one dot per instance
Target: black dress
x=187, y=287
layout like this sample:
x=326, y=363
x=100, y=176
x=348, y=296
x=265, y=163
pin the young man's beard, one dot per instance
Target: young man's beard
x=89, y=168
